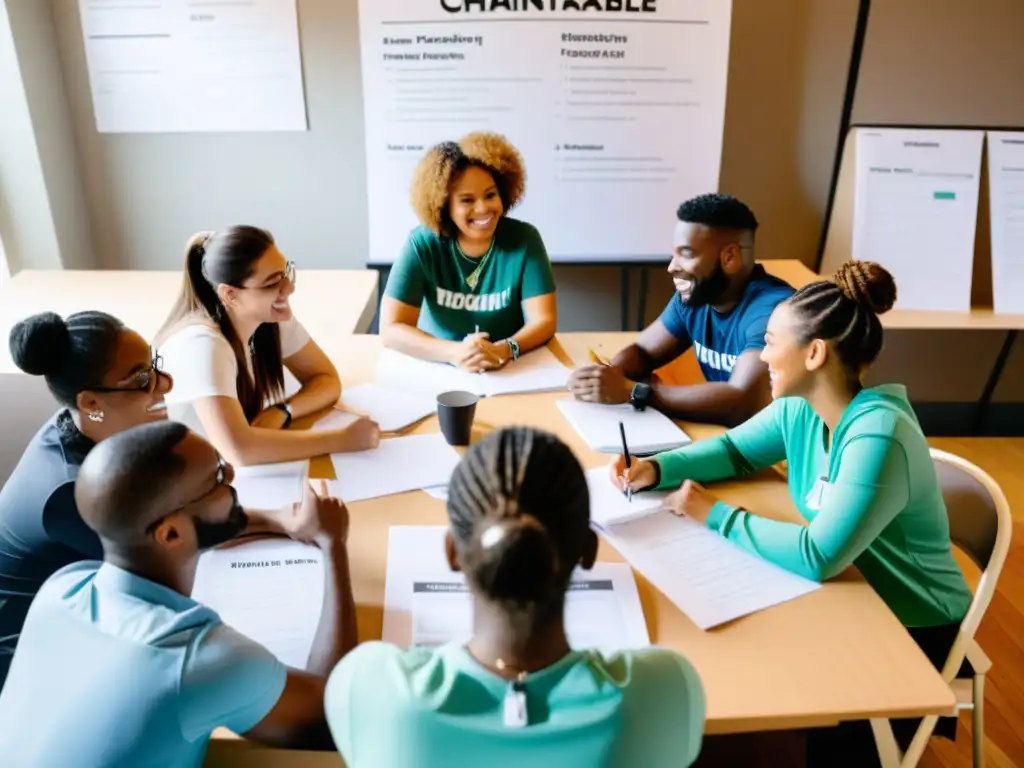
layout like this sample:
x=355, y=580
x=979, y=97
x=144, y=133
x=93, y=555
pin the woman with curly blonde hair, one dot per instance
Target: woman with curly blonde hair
x=472, y=287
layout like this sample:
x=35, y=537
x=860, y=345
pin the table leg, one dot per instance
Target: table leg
x=981, y=410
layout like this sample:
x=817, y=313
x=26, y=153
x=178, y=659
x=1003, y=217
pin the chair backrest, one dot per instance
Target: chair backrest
x=27, y=403
x=980, y=524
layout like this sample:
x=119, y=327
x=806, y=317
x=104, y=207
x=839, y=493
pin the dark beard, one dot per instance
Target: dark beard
x=210, y=535
x=707, y=289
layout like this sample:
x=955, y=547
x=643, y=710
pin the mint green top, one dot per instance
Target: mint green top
x=391, y=708
x=880, y=508
x=432, y=273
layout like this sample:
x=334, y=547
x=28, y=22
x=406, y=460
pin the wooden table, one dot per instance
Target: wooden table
x=327, y=301
x=837, y=654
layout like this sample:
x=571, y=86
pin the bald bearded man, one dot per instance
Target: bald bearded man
x=117, y=666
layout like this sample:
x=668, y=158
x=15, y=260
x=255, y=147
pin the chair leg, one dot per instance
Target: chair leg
x=978, y=721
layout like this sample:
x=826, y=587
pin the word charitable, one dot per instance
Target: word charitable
x=604, y=6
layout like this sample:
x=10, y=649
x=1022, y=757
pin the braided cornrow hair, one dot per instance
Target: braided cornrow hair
x=520, y=514
x=845, y=310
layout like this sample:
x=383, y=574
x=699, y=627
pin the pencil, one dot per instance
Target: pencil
x=596, y=358
x=625, y=452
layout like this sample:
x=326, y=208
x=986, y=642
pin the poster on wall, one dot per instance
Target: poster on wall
x=1006, y=208
x=916, y=209
x=617, y=107
x=169, y=66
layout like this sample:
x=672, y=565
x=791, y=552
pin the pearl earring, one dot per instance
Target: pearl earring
x=96, y=416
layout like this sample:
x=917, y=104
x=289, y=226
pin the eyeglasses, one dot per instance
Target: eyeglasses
x=289, y=275
x=220, y=478
x=142, y=381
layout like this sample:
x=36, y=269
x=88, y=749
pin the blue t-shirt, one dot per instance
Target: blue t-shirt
x=40, y=528
x=116, y=670
x=417, y=708
x=718, y=338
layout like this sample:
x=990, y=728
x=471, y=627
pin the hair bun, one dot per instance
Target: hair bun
x=39, y=344
x=516, y=559
x=868, y=284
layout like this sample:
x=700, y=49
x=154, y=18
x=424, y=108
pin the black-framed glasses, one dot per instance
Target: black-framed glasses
x=289, y=274
x=222, y=474
x=141, y=381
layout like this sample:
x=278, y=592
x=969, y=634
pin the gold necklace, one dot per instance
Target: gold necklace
x=473, y=278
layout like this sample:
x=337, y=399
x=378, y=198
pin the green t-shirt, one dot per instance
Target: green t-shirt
x=431, y=273
x=872, y=501
x=392, y=708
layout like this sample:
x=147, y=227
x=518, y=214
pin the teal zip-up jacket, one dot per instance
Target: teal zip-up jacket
x=879, y=505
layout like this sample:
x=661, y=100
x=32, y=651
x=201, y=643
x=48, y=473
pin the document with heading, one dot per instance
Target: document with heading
x=392, y=408
x=426, y=604
x=271, y=590
x=398, y=465
x=1006, y=209
x=536, y=371
x=194, y=65
x=271, y=486
x=708, y=578
x=915, y=211
x=647, y=432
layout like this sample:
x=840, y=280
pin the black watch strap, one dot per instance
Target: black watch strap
x=287, y=414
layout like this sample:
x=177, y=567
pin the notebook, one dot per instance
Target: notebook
x=647, y=431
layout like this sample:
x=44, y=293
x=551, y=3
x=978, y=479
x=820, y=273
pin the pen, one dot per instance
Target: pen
x=596, y=358
x=625, y=452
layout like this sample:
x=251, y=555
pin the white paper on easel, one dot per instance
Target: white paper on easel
x=647, y=431
x=1006, y=209
x=427, y=604
x=397, y=465
x=271, y=590
x=707, y=577
x=392, y=408
x=171, y=66
x=915, y=211
x=271, y=486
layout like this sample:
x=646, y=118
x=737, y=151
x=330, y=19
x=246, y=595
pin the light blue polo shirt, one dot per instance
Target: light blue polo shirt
x=392, y=708
x=115, y=670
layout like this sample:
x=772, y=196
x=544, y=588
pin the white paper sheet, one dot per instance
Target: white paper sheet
x=708, y=578
x=1006, y=209
x=536, y=371
x=271, y=590
x=335, y=419
x=392, y=408
x=647, y=431
x=172, y=66
x=427, y=604
x=439, y=492
x=915, y=211
x=398, y=465
x=608, y=505
x=271, y=486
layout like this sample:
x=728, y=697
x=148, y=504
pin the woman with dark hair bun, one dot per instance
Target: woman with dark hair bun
x=106, y=380
x=516, y=694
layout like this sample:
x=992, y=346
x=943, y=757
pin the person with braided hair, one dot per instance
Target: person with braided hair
x=860, y=471
x=472, y=287
x=519, y=524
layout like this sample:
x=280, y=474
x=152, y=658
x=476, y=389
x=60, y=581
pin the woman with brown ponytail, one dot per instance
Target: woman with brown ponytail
x=519, y=519
x=860, y=473
x=230, y=335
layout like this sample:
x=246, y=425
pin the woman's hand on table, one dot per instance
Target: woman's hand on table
x=642, y=475
x=476, y=354
x=363, y=434
x=691, y=500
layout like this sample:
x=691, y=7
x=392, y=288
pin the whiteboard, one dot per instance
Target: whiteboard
x=618, y=114
x=916, y=209
x=1006, y=209
x=166, y=66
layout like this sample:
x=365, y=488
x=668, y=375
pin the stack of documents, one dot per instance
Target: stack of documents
x=709, y=578
x=426, y=604
x=536, y=371
x=647, y=431
x=400, y=464
x=392, y=408
x=271, y=486
x=271, y=590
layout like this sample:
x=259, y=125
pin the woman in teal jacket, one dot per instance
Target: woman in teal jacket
x=859, y=467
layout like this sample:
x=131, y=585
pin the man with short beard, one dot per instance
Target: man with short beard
x=721, y=309
x=118, y=666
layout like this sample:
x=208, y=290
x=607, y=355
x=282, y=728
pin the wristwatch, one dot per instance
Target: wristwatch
x=640, y=395
x=513, y=348
x=287, y=413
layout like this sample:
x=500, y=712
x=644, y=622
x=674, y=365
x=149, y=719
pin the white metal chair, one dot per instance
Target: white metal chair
x=980, y=524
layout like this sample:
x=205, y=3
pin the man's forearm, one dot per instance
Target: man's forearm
x=336, y=634
x=713, y=403
x=634, y=362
